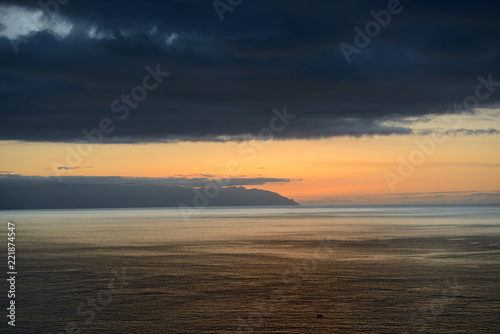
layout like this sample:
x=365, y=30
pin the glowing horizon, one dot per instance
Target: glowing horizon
x=321, y=171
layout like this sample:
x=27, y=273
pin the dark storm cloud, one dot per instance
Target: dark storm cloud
x=226, y=77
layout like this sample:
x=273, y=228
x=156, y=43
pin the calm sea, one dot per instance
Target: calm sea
x=256, y=270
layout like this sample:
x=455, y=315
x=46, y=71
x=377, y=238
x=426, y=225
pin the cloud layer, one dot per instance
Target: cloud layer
x=226, y=77
x=13, y=181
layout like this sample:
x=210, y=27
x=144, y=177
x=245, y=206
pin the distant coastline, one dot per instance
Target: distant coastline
x=88, y=196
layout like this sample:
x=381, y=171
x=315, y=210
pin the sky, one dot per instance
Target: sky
x=325, y=102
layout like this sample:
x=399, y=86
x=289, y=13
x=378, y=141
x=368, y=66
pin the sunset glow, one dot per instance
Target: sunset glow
x=321, y=171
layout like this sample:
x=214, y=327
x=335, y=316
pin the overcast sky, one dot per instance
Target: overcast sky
x=366, y=98
x=226, y=76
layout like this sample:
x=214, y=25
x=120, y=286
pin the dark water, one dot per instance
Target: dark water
x=256, y=270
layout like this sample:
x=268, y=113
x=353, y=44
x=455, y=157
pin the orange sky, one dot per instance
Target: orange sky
x=324, y=170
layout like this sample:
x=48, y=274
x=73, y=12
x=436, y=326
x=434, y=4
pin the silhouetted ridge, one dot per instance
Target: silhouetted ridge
x=51, y=195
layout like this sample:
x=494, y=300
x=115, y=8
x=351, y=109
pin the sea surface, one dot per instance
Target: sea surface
x=255, y=270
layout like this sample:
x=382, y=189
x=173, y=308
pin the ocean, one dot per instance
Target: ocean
x=255, y=270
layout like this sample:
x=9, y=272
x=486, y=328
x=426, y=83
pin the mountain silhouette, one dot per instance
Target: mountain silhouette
x=53, y=195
